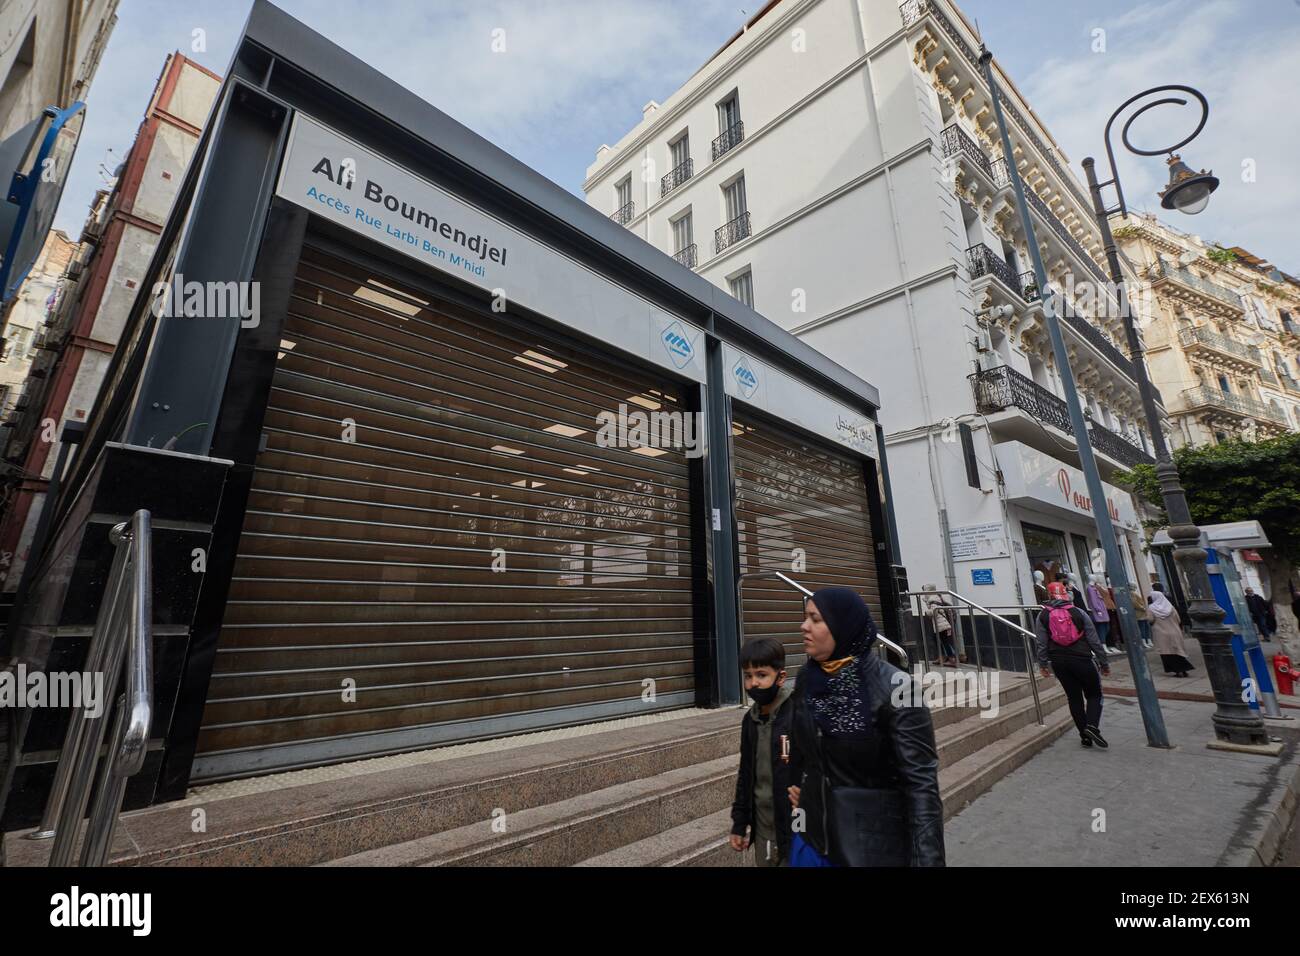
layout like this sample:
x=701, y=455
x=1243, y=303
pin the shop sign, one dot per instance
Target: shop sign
x=342, y=181
x=782, y=396
x=1044, y=480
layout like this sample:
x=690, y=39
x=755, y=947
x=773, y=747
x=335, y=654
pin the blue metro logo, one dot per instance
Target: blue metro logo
x=745, y=378
x=678, y=346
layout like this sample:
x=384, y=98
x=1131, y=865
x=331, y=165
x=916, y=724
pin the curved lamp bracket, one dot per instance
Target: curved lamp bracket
x=1124, y=133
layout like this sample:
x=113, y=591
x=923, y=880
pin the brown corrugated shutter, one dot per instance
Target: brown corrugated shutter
x=793, y=493
x=406, y=439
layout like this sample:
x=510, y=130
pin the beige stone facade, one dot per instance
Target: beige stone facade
x=1222, y=334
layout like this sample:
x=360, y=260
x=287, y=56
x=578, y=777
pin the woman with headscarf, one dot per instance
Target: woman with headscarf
x=1167, y=633
x=863, y=749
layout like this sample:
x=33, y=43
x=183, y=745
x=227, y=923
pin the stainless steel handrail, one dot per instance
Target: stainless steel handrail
x=781, y=575
x=1028, y=637
x=123, y=635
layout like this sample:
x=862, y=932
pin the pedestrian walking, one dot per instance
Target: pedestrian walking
x=1167, y=632
x=1069, y=647
x=940, y=614
x=1261, y=612
x=760, y=813
x=1143, y=618
x=864, y=753
x=1098, y=611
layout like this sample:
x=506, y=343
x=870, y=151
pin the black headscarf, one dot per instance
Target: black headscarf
x=838, y=702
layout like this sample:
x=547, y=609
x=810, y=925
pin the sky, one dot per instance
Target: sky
x=575, y=74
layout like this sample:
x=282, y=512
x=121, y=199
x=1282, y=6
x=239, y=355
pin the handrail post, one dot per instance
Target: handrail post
x=123, y=640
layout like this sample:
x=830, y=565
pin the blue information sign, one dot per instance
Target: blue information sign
x=981, y=575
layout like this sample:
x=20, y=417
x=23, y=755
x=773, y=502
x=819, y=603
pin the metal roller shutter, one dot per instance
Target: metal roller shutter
x=369, y=556
x=792, y=493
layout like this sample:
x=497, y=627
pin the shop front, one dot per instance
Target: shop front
x=460, y=458
x=1054, y=520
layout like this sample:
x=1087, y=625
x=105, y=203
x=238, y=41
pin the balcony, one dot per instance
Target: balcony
x=1202, y=291
x=982, y=261
x=1000, y=173
x=676, y=177
x=913, y=11
x=1095, y=337
x=1123, y=449
x=730, y=138
x=624, y=214
x=1004, y=387
x=1198, y=339
x=1045, y=213
x=1203, y=396
x=1029, y=287
x=731, y=233
x=688, y=256
x=957, y=144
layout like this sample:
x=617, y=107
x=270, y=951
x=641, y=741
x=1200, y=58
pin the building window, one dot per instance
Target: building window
x=680, y=149
x=742, y=287
x=731, y=131
x=623, y=206
x=681, y=166
x=736, y=215
x=1224, y=386
x=684, y=240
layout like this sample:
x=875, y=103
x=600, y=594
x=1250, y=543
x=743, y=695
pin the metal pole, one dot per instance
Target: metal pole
x=1233, y=719
x=1148, y=703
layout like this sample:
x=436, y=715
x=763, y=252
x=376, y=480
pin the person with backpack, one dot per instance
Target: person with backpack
x=1067, y=647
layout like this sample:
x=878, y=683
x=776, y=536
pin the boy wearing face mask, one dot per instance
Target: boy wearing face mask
x=760, y=815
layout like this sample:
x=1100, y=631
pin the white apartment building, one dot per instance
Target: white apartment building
x=1222, y=333
x=837, y=166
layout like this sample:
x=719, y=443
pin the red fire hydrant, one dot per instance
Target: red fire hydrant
x=1285, y=675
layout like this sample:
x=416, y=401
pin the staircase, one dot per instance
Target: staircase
x=655, y=794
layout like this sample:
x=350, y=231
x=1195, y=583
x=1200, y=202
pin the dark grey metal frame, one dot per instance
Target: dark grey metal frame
x=204, y=383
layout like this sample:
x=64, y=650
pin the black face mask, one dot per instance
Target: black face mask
x=763, y=695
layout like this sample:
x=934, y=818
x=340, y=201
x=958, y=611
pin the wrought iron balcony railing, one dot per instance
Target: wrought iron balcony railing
x=913, y=10
x=624, y=214
x=1049, y=217
x=678, y=175
x=1120, y=447
x=983, y=261
x=1164, y=270
x=1003, y=387
x=688, y=256
x=731, y=233
x=1029, y=287
x=1203, y=395
x=1189, y=338
x=956, y=142
x=1095, y=337
x=1000, y=173
x=730, y=138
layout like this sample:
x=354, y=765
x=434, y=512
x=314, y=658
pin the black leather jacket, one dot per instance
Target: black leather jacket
x=899, y=752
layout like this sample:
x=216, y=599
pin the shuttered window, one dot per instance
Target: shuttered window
x=798, y=502
x=433, y=519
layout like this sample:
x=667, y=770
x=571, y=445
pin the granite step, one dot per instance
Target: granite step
x=307, y=824
x=565, y=832
x=971, y=750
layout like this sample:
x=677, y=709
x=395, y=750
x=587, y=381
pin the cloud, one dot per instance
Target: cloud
x=1244, y=66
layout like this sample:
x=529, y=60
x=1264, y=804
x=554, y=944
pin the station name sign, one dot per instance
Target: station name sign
x=344, y=182
x=476, y=246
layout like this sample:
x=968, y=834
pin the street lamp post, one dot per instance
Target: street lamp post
x=1148, y=703
x=1234, y=721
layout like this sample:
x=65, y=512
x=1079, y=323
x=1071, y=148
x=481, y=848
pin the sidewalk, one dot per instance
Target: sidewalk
x=1196, y=686
x=1189, y=806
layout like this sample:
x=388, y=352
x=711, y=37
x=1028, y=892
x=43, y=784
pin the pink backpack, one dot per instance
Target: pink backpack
x=1061, y=627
